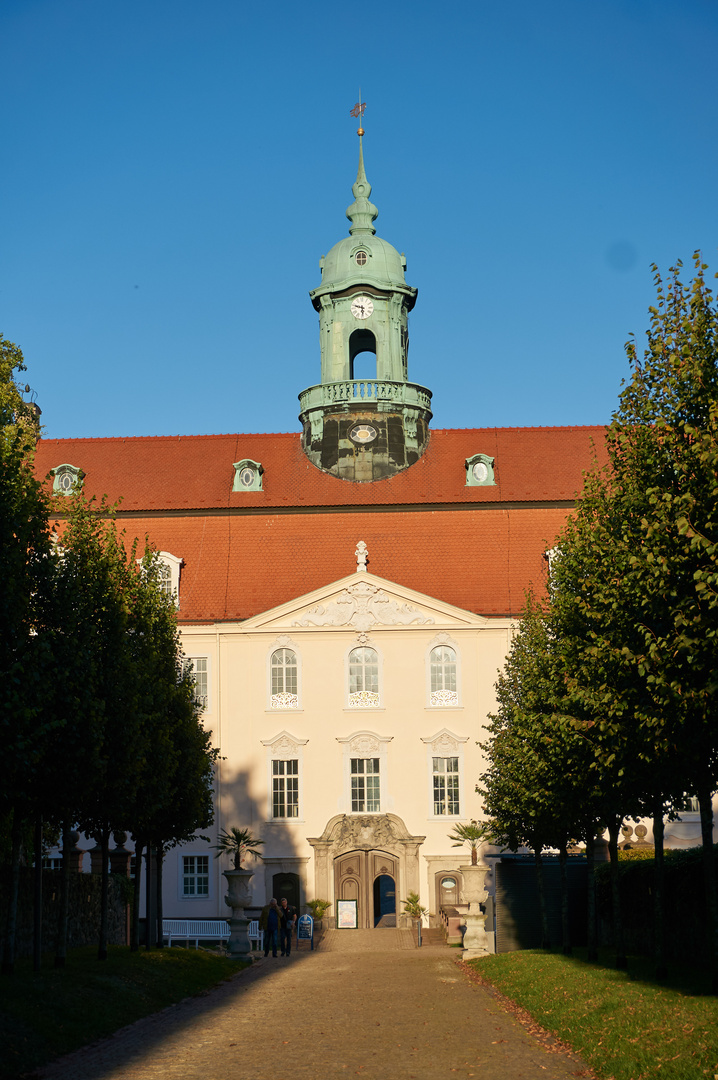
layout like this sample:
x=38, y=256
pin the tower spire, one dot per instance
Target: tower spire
x=362, y=213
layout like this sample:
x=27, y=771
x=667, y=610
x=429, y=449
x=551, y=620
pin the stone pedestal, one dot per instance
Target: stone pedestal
x=239, y=895
x=475, y=940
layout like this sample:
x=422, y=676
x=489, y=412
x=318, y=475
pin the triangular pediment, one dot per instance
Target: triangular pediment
x=363, y=602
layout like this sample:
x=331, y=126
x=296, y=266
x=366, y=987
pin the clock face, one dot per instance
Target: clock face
x=362, y=307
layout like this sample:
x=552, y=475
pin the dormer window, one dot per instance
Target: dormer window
x=66, y=479
x=361, y=258
x=480, y=471
x=247, y=475
x=168, y=577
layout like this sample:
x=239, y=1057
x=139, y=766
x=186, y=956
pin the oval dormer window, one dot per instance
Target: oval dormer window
x=246, y=477
x=361, y=258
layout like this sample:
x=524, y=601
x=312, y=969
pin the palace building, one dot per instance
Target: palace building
x=346, y=595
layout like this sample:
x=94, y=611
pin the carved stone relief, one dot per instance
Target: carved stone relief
x=363, y=606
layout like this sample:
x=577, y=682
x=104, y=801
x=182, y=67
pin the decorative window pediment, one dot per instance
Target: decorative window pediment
x=247, y=475
x=66, y=479
x=480, y=471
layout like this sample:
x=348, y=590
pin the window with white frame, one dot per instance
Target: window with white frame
x=285, y=788
x=363, y=678
x=442, y=673
x=284, y=680
x=285, y=762
x=199, y=667
x=365, y=763
x=168, y=574
x=195, y=876
x=445, y=775
x=366, y=785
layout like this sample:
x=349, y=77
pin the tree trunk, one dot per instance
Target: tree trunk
x=543, y=910
x=591, y=894
x=8, y=959
x=160, y=867
x=659, y=892
x=614, y=830
x=136, y=886
x=565, y=930
x=706, y=805
x=104, y=892
x=149, y=922
x=63, y=906
x=37, y=899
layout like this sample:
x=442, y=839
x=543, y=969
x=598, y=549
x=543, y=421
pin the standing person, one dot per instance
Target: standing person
x=270, y=921
x=289, y=917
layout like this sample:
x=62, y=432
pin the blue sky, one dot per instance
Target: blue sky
x=173, y=171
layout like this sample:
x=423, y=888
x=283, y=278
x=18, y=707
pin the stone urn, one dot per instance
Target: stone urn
x=239, y=894
x=475, y=941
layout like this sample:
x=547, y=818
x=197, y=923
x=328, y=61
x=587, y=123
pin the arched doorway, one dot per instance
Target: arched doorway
x=287, y=886
x=384, y=901
x=369, y=877
x=356, y=849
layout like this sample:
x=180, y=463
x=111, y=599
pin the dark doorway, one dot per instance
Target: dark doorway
x=384, y=901
x=287, y=886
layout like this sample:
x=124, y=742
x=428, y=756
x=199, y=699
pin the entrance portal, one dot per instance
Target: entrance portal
x=384, y=901
x=369, y=878
x=353, y=852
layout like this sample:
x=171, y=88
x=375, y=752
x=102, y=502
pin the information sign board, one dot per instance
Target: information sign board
x=347, y=915
x=305, y=930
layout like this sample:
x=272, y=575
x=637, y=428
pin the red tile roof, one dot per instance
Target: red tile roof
x=246, y=552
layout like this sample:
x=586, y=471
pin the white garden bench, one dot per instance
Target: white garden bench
x=207, y=930
x=195, y=929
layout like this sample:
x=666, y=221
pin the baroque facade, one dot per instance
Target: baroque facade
x=346, y=597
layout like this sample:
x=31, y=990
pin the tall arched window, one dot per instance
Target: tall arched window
x=284, y=680
x=442, y=661
x=363, y=679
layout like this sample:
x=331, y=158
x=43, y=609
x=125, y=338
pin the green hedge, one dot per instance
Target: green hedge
x=685, y=913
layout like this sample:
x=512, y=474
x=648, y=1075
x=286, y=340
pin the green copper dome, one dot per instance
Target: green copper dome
x=362, y=258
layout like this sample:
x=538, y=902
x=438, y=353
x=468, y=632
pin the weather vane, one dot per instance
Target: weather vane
x=358, y=110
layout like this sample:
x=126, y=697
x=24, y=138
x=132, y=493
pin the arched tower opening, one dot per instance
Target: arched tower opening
x=362, y=355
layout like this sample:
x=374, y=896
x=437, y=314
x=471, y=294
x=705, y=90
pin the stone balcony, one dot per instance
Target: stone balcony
x=366, y=392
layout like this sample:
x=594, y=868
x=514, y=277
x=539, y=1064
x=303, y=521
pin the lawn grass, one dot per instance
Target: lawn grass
x=625, y=1024
x=49, y=1013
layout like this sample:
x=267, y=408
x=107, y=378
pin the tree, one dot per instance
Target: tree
x=25, y=570
x=664, y=437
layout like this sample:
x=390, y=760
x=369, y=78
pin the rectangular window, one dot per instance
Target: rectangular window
x=198, y=667
x=285, y=789
x=446, y=785
x=365, y=785
x=195, y=875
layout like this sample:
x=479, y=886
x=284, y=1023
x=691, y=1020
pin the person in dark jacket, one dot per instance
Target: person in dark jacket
x=288, y=916
x=270, y=921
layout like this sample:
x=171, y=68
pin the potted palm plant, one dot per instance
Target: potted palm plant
x=473, y=835
x=239, y=844
x=318, y=909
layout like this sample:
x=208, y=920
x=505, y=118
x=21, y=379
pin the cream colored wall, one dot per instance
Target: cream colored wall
x=240, y=717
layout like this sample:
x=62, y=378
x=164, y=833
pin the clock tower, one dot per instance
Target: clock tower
x=360, y=427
